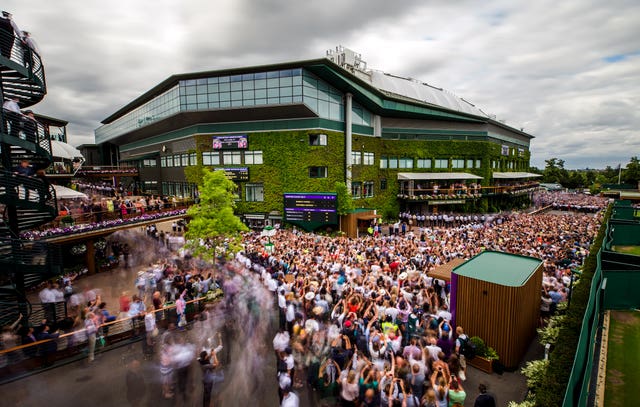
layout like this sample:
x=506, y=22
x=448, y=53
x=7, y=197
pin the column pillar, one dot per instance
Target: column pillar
x=348, y=140
x=90, y=257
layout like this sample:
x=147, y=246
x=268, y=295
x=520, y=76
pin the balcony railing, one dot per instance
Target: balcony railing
x=464, y=192
x=15, y=50
x=107, y=170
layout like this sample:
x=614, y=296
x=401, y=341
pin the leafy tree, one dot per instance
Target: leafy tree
x=213, y=219
x=345, y=201
x=631, y=175
x=554, y=171
x=574, y=180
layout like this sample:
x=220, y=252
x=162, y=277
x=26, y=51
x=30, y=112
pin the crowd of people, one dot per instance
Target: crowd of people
x=570, y=201
x=361, y=322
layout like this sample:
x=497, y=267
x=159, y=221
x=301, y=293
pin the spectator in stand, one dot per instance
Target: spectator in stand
x=13, y=116
x=30, y=126
x=9, y=31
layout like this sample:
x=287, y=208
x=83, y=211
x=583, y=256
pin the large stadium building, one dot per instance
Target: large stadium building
x=399, y=144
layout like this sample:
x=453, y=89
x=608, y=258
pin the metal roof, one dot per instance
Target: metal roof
x=436, y=176
x=499, y=268
x=422, y=92
x=514, y=175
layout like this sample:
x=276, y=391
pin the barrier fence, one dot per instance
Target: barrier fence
x=30, y=358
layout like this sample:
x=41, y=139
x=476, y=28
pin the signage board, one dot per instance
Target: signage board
x=235, y=174
x=311, y=207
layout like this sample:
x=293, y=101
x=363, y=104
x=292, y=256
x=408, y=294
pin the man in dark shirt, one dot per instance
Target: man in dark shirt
x=484, y=399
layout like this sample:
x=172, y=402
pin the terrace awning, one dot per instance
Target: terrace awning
x=514, y=175
x=419, y=176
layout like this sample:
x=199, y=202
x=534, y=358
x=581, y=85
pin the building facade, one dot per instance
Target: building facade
x=302, y=126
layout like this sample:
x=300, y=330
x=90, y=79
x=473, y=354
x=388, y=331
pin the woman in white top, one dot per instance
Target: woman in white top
x=350, y=389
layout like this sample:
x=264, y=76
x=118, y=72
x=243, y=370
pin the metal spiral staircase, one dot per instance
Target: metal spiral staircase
x=25, y=201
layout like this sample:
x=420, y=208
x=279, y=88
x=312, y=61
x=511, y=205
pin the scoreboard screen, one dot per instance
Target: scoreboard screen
x=311, y=207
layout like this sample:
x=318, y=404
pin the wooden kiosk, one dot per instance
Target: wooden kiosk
x=496, y=296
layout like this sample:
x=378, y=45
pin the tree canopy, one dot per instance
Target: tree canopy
x=212, y=218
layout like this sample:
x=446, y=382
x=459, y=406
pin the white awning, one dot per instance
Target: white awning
x=68, y=193
x=60, y=149
x=436, y=176
x=514, y=175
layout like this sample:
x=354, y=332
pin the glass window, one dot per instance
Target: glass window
x=253, y=157
x=317, y=172
x=368, y=158
x=383, y=184
x=367, y=189
x=185, y=160
x=405, y=163
x=384, y=163
x=441, y=163
x=356, y=189
x=231, y=158
x=150, y=162
x=393, y=162
x=163, y=162
x=192, y=159
x=423, y=163
x=317, y=139
x=478, y=163
x=211, y=158
x=469, y=163
x=254, y=192
x=456, y=163
x=356, y=158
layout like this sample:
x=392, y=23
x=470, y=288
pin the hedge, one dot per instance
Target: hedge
x=554, y=385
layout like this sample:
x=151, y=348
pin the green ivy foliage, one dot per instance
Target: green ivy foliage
x=287, y=156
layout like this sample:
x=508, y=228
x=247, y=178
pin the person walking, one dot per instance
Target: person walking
x=91, y=326
x=484, y=399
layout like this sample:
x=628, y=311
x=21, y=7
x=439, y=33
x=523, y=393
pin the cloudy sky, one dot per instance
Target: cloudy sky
x=568, y=72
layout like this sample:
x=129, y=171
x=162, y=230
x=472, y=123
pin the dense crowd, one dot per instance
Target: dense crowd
x=361, y=321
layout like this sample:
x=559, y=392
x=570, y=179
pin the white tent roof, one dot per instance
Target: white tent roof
x=63, y=150
x=436, y=176
x=514, y=175
x=68, y=193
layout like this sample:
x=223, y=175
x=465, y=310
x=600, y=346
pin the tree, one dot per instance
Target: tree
x=631, y=175
x=213, y=219
x=554, y=171
x=345, y=201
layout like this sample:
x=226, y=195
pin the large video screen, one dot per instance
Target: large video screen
x=232, y=142
x=311, y=207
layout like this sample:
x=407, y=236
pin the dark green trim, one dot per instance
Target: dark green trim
x=249, y=127
x=360, y=129
x=425, y=131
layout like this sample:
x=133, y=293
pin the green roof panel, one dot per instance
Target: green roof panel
x=499, y=268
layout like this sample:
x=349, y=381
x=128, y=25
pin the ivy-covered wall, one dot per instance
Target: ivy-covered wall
x=287, y=157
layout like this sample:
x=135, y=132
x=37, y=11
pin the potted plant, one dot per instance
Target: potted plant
x=66, y=220
x=485, y=355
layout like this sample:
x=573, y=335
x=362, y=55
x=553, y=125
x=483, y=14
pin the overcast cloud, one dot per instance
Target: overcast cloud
x=568, y=72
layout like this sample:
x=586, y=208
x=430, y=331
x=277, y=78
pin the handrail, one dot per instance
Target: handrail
x=471, y=191
x=107, y=324
x=21, y=127
x=16, y=51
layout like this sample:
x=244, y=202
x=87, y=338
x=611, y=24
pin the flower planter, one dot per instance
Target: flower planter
x=486, y=365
